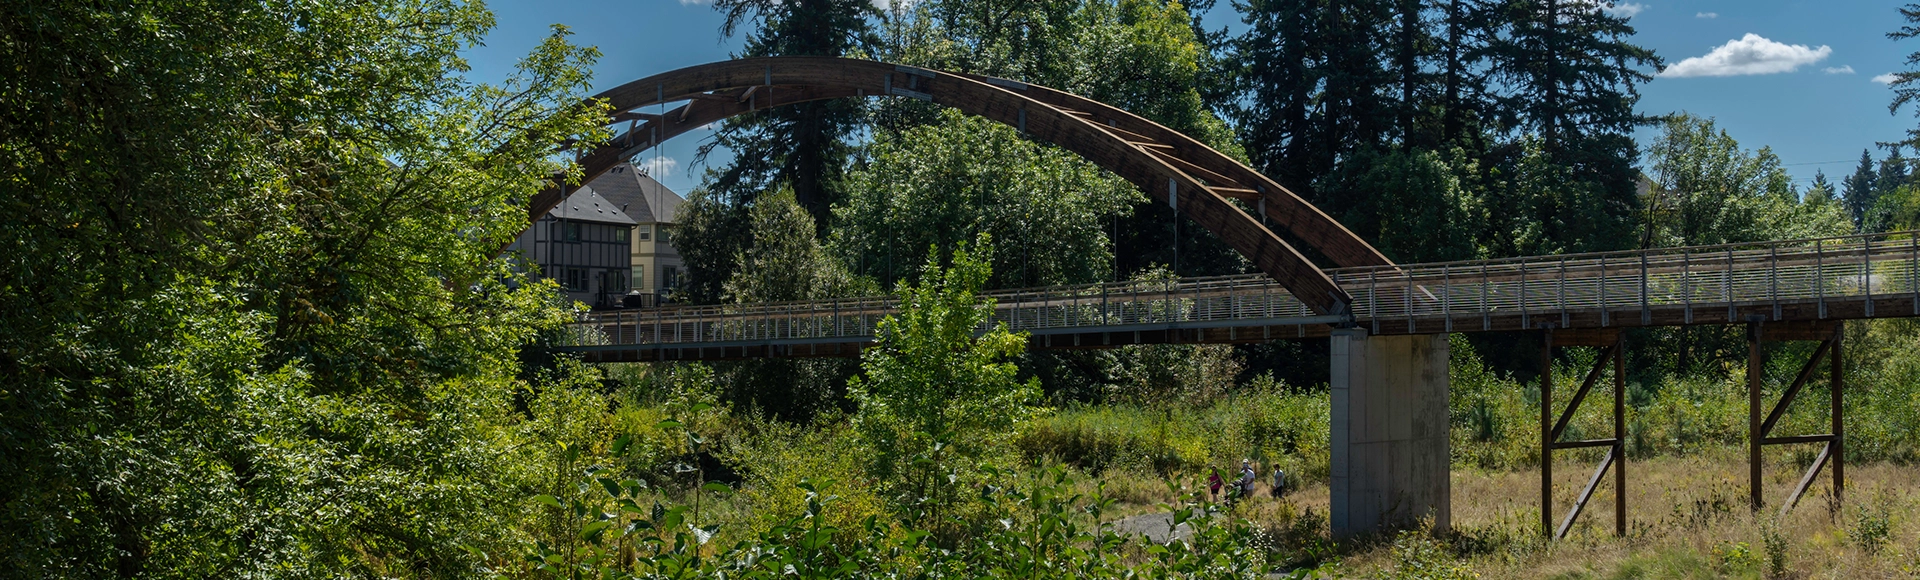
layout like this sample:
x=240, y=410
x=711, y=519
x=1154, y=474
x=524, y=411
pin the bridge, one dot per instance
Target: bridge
x=1387, y=322
x=1853, y=277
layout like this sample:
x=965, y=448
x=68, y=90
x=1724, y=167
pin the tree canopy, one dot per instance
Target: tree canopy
x=256, y=324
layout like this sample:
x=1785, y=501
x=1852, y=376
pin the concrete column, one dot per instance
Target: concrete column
x=1390, y=455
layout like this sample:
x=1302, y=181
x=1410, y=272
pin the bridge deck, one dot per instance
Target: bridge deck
x=1866, y=276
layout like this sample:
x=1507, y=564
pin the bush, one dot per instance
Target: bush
x=1418, y=555
x=1265, y=422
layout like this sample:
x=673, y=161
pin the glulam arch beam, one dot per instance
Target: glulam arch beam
x=1170, y=167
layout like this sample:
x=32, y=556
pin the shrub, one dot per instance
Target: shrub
x=1265, y=422
x=1418, y=555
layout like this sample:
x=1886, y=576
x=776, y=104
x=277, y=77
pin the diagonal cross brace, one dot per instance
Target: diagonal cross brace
x=1780, y=408
x=1600, y=364
x=1579, y=505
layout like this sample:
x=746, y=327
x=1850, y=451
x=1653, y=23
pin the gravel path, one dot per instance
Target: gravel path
x=1155, y=526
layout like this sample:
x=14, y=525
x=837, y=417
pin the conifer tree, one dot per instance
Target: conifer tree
x=1568, y=74
x=1859, y=192
x=803, y=146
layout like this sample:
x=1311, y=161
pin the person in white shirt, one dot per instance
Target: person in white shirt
x=1247, y=477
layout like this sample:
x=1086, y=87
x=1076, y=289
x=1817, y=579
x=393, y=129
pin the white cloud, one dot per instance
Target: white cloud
x=1845, y=69
x=1886, y=79
x=656, y=166
x=1624, y=9
x=1705, y=15
x=693, y=2
x=1750, y=55
x=1620, y=9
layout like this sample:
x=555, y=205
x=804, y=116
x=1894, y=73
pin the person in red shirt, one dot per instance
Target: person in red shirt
x=1213, y=484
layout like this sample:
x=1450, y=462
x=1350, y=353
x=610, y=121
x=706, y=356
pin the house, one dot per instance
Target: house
x=656, y=266
x=584, y=245
x=609, y=239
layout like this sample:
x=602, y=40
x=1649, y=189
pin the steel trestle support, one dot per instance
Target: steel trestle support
x=1760, y=427
x=1614, y=352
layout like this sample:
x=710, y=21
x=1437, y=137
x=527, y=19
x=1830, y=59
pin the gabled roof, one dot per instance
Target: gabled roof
x=587, y=205
x=643, y=198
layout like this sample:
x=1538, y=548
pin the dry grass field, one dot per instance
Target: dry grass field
x=1688, y=518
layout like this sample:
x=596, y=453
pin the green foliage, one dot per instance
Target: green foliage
x=776, y=457
x=1735, y=557
x=1042, y=529
x=1906, y=84
x=1873, y=527
x=1417, y=555
x=1266, y=422
x=1139, y=55
x=929, y=379
x=709, y=239
x=941, y=184
x=1412, y=205
x=785, y=262
x=254, y=320
x=1710, y=191
x=1489, y=413
x=1775, y=544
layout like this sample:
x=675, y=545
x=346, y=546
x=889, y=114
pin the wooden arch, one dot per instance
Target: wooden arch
x=1170, y=166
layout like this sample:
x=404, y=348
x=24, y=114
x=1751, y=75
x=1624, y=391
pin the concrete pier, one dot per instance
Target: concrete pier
x=1390, y=455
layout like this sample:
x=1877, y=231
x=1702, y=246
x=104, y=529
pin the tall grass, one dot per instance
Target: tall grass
x=1266, y=422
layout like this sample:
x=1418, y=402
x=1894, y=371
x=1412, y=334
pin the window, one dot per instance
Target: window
x=576, y=279
x=572, y=232
x=644, y=232
x=620, y=235
x=613, y=281
x=640, y=279
x=664, y=230
x=670, y=276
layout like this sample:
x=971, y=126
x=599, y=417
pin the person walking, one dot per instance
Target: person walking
x=1279, y=482
x=1247, y=477
x=1213, y=484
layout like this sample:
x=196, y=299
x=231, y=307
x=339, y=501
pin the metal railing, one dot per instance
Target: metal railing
x=1434, y=296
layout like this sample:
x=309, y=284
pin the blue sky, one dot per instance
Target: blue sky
x=1794, y=75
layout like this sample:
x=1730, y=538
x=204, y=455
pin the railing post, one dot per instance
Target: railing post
x=1373, y=298
x=1820, y=276
x=1486, y=283
x=1866, y=271
x=1773, y=280
x=1406, y=298
x=1106, y=314
x=1605, y=314
x=1564, y=320
x=1732, y=313
x=1526, y=318
x=1686, y=284
x=1646, y=309
x=1446, y=296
